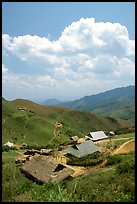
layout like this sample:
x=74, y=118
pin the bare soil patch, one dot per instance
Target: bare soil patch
x=126, y=147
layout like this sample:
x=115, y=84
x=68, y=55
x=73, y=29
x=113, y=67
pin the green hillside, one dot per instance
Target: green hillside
x=118, y=103
x=35, y=125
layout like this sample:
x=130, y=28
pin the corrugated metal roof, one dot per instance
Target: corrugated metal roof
x=98, y=135
x=83, y=149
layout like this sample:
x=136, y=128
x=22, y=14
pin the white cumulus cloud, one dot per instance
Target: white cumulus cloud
x=88, y=56
x=4, y=69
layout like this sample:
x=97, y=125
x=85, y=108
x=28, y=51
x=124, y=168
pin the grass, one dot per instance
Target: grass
x=13, y=182
x=116, y=144
x=127, y=135
x=106, y=187
x=36, y=128
x=115, y=185
x=36, y=125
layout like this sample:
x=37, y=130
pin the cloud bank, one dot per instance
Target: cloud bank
x=89, y=57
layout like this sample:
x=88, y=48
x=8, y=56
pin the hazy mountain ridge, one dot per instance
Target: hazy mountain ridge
x=51, y=102
x=119, y=103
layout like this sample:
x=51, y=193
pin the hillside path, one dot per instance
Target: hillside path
x=125, y=148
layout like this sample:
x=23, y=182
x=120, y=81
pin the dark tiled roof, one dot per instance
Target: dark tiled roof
x=83, y=149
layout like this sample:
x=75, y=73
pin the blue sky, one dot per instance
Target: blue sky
x=66, y=50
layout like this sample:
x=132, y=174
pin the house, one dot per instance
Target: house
x=74, y=139
x=23, y=145
x=80, y=140
x=82, y=149
x=111, y=133
x=23, y=159
x=95, y=136
x=36, y=151
x=22, y=109
x=9, y=144
x=77, y=140
x=43, y=169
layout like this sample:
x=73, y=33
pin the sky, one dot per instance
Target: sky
x=66, y=50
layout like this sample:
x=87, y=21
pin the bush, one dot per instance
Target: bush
x=126, y=167
x=13, y=148
x=89, y=160
x=124, y=130
x=113, y=160
x=5, y=148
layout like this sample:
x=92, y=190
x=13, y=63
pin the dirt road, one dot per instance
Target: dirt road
x=125, y=148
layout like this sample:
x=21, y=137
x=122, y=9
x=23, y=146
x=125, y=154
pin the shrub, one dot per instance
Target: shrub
x=89, y=160
x=126, y=167
x=5, y=148
x=113, y=160
x=13, y=148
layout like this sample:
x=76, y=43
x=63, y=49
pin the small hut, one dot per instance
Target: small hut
x=74, y=139
x=43, y=169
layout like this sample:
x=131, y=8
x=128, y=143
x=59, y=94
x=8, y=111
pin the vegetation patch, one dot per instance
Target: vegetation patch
x=107, y=186
x=115, y=159
x=126, y=167
x=35, y=127
x=89, y=160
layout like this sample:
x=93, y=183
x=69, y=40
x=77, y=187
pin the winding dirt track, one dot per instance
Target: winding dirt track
x=126, y=147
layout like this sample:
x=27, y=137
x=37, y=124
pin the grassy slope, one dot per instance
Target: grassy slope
x=124, y=109
x=36, y=126
x=29, y=127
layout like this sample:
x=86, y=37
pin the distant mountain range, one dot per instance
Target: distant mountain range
x=51, y=102
x=117, y=103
